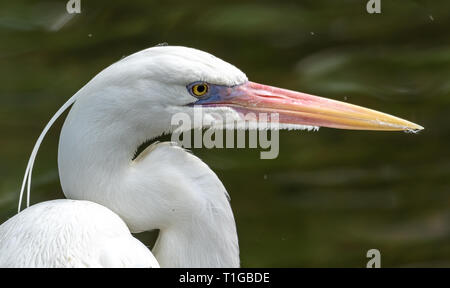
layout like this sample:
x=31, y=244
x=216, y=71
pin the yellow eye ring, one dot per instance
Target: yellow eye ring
x=199, y=89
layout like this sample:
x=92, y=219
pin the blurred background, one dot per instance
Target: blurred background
x=331, y=195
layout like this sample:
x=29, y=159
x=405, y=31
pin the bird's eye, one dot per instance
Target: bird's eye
x=199, y=90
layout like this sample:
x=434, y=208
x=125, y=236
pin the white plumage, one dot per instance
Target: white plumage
x=165, y=187
x=70, y=233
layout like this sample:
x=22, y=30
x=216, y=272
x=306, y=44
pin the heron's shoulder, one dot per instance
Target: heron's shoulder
x=67, y=233
x=66, y=213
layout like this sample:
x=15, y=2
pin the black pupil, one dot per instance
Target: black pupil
x=201, y=88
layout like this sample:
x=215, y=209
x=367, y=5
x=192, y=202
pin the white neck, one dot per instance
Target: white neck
x=199, y=243
x=94, y=161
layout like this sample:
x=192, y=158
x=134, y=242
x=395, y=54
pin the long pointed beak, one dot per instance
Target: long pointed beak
x=304, y=109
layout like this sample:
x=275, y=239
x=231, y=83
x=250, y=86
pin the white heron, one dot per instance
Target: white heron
x=165, y=187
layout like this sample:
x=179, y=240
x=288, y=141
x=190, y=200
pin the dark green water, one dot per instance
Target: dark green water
x=330, y=195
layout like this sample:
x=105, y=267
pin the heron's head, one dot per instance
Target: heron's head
x=136, y=99
x=148, y=88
